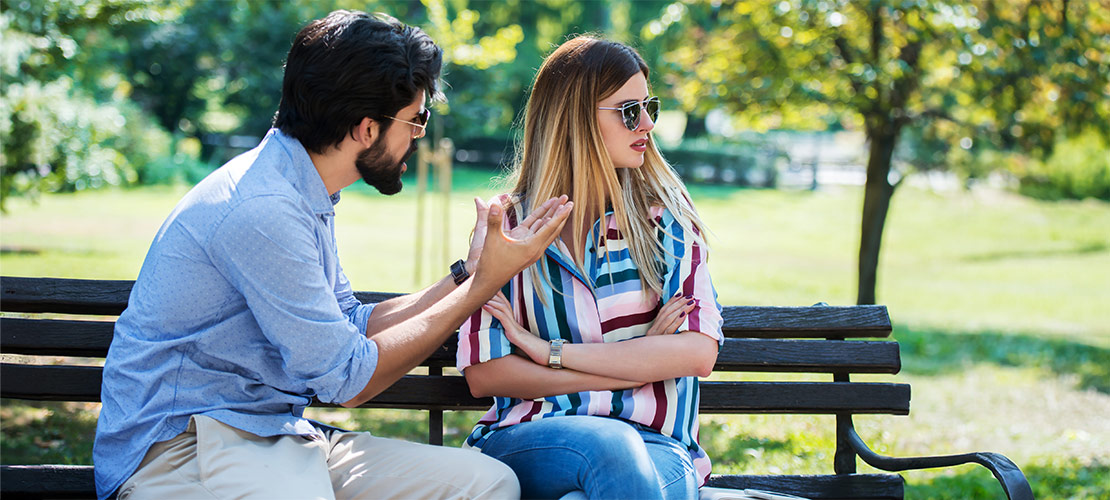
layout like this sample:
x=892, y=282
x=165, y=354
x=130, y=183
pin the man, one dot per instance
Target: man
x=241, y=313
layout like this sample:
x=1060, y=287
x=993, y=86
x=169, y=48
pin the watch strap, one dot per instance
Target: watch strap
x=458, y=272
x=555, y=359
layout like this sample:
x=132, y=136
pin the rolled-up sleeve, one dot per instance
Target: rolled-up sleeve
x=357, y=312
x=687, y=263
x=269, y=250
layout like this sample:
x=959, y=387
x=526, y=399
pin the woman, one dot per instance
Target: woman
x=593, y=374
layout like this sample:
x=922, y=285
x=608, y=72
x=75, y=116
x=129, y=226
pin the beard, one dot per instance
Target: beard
x=381, y=171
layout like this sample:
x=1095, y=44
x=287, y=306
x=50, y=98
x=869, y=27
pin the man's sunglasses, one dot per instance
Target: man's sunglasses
x=630, y=111
x=419, y=129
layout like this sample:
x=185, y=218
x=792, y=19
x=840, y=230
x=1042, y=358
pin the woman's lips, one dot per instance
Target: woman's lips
x=639, y=146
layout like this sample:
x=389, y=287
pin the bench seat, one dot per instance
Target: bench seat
x=74, y=318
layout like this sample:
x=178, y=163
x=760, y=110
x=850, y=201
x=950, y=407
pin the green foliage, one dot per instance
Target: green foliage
x=968, y=77
x=1078, y=168
x=57, y=135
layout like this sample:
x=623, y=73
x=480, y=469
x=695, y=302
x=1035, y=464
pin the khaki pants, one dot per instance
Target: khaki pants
x=213, y=460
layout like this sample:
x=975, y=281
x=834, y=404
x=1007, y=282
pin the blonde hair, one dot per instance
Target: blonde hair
x=562, y=152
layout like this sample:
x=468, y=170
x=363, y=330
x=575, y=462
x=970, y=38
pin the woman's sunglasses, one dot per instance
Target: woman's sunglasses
x=630, y=111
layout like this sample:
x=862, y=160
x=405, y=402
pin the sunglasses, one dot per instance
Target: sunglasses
x=418, y=129
x=630, y=111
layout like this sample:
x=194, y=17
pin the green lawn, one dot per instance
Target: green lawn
x=1000, y=304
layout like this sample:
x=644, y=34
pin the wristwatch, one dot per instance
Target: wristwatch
x=458, y=272
x=555, y=359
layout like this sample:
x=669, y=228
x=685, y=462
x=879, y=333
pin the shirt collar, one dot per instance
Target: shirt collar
x=301, y=172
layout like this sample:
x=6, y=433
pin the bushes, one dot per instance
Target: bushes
x=1078, y=168
x=58, y=139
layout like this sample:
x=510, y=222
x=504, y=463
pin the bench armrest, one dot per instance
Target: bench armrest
x=1005, y=471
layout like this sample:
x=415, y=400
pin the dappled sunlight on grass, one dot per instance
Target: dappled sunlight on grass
x=933, y=352
x=47, y=432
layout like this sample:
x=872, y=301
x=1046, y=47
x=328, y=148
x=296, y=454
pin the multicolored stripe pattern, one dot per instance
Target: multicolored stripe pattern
x=602, y=303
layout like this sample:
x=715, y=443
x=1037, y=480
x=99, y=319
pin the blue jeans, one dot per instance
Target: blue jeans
x=602, y=457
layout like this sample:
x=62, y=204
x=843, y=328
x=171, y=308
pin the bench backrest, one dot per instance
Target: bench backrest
x=66, y=317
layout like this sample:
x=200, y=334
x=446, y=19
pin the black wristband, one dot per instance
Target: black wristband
x=458, y=272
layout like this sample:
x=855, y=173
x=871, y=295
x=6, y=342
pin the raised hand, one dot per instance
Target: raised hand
x=504, y=255
x=529, y=225
x=478, y=236
x=672, y=314
x=536, y=348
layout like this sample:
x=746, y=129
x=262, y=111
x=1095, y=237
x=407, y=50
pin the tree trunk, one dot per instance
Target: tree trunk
x=876, y=203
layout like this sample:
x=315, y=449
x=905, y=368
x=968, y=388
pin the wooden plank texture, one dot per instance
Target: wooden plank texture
x=110, y=297
x=806, y=322
x=49, y=337
x=82, y=383
x=47, y=481
x=52, y=337
x=819, y=487
x=59, y=295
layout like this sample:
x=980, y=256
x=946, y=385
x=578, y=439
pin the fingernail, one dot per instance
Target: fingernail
x=681, y=314
x=688, y=302
x=689, y=297
x=495, y=210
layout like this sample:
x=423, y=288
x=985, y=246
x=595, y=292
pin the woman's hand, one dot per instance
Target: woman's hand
x=537, y=349
x=672, y=314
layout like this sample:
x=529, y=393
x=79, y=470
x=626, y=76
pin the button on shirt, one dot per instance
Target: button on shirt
x=241, y=312
x=604, y=302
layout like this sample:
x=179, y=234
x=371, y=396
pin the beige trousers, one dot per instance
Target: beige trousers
x=213, y=460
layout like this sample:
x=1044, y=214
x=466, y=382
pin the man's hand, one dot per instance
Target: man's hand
x=478, y=236
x=672, y=314
x=504, y=255
x=526, y=227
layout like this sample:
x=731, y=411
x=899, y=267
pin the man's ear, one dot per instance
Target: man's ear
x=366, y=132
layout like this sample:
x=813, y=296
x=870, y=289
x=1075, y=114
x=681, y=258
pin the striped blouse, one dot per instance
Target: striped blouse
x=604, y=305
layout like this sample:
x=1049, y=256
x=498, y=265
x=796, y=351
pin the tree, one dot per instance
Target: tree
x=1012, y=74
x=65, y=120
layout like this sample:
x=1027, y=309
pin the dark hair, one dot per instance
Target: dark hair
x=351, y=65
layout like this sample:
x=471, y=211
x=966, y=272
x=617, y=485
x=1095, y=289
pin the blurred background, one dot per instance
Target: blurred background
x=948, y=159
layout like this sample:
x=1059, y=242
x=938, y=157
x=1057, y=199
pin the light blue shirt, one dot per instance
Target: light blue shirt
x=241, y=312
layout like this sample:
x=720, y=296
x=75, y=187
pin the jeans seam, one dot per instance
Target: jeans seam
x=685, y=472
x=593, y=479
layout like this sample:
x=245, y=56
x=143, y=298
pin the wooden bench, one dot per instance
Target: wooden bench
x=818, y=339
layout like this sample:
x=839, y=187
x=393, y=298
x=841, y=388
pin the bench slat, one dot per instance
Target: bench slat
x=55, y=337
x=76, y=481
x=48, y=481
x=59, y=295
x=73, y=296
x=857, y=486
x=806, y=322
x=82, y=383
x=49, y=337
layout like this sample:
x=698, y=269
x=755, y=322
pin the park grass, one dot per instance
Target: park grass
x=999, y=303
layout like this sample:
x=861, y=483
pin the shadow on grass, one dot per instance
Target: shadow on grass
x=931, y=352
x=46, y=432
x=1096, y=247
x=1066, y=479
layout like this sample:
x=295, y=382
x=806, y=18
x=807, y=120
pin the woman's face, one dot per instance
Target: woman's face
x=625, y=147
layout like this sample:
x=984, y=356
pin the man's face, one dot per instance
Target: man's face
x=381, y=169
x=382, y=164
